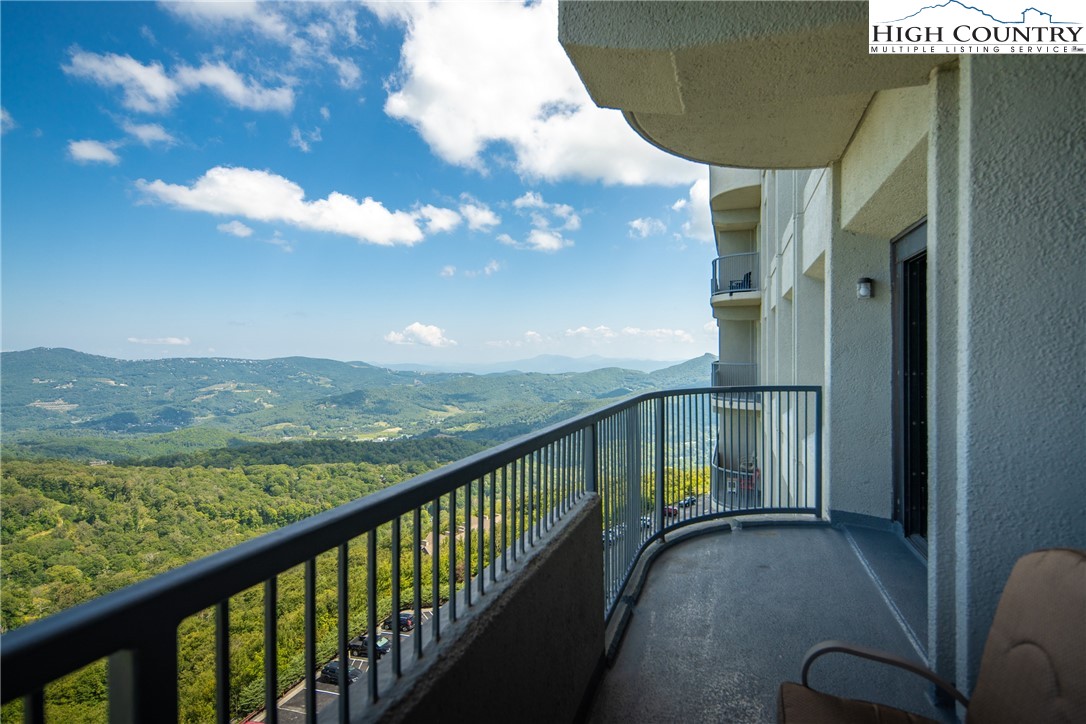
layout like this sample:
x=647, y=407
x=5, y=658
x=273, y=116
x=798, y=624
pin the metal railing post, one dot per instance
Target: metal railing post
x=818, y=452
x=633, y=474
x=143, y=682
x=590, y=458
x=661, y=442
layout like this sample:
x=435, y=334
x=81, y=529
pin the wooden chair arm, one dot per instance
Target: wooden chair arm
x=831, y=647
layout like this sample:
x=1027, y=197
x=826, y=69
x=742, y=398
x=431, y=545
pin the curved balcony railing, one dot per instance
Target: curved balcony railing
x=734, y=374
x=658, y=462
x=735, y=273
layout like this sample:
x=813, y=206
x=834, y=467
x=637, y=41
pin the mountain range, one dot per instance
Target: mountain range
x=59, y=402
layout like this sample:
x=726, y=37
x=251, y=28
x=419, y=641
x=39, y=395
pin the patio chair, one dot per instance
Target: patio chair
x=1033, y=668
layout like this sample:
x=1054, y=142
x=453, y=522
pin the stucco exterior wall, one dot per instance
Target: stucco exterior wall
x=1021, y=336
x=858, y=377
x=883, y=171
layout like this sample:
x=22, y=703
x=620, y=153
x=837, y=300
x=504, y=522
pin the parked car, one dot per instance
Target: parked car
x=331, y=673
x=360, y=646
x=612, y=535
x=688, y=501
x=670, y=511
x=407, y=622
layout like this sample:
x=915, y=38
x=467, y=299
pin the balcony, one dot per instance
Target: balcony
x=735, y=281
x=535, y=554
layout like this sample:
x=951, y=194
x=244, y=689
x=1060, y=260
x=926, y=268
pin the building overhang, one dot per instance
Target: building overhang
x=744, y=83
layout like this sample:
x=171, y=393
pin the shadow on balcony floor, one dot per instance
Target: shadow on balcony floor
x=725, y=617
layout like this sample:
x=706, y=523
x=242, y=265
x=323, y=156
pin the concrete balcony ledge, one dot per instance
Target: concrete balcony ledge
x=750, y=84
x=734, y=188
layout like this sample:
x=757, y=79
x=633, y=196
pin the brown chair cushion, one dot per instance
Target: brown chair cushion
x=796, y=704
x=1034, y=663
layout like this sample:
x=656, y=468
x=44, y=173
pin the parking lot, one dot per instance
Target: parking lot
x=292, y=704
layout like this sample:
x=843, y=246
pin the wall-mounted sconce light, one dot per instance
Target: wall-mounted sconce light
x=865, y=288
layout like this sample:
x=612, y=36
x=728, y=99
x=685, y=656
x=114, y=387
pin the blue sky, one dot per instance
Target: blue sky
x=382, y=182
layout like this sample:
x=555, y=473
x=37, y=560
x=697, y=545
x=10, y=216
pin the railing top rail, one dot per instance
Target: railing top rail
x=119, y=619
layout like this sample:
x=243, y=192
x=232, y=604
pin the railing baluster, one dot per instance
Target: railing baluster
x=310, y=641
x=416, y=579
x=435, y=569
x=222, y=661
x=271, y=651
x=342, y=633
x=143, y=682
x=34, y=707
x=467, y=544
x=371, y=613
x=396, y=664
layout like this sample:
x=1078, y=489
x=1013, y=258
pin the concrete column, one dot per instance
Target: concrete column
x=1021, y=336
x=942, y=263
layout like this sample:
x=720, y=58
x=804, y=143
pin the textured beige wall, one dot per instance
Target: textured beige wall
x=884, y=169
x=530, y=652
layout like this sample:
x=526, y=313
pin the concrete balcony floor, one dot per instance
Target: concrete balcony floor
x=724, y=617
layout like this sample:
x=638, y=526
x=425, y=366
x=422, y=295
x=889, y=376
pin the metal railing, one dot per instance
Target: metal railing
x=735, y=273
x=441, y=538
x=734, y=374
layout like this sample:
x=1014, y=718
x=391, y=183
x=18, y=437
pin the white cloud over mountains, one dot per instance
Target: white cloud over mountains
x=267, y=197
x=427, y=335
x=497, y=76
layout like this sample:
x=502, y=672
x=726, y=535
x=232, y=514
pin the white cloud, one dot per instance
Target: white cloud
x=150, y=89
x=438, y=219
x=529, y=338
x=492, y=268
x=312, y=33
x=169, y=341
x=479, y=215
x=645, y=227
x=699, y=223
x=679, y=205
x=147, y=88
x=301, y=140
x=242, y=93
x=93, y=152
x=538, y=240
x=264, y=196
x=427, y=335
x=148, y=133
x=7, y=123
x=710, y=328
x=530, y=200
x=448, y=271
x=565, y=211
x=463, y=102
x=661, y=334
x=598, y=333
x=236, y=228
x=325, y=113
x=544, y=217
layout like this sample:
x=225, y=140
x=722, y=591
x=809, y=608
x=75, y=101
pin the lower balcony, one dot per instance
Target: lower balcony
x=522, y=567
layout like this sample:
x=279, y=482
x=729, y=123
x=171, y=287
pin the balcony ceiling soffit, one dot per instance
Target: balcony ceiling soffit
x=736, y=219
x=742, y=197
x=749, y=84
